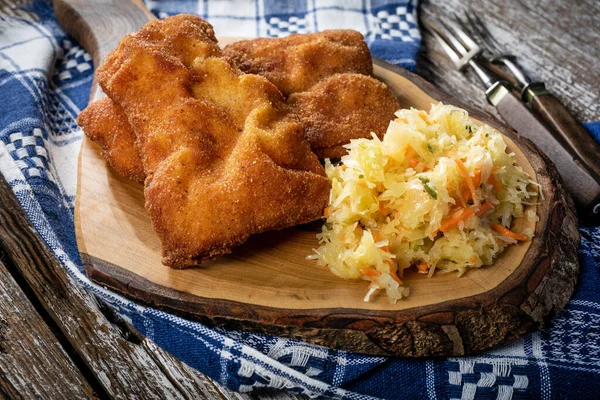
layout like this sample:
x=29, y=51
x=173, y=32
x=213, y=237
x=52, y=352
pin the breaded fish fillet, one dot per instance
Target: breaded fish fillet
x=343, y=107
x=297, y=62
x=224, y=158
x=104, y=122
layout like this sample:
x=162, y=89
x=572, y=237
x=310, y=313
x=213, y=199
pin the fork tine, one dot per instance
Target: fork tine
x=445, y=30
x=484, y=32
x=472, y=27
x=464, y=37
x=469, y=28
x=454, y=56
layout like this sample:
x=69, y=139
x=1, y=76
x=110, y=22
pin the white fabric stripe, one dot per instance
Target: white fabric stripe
x=521, y=382
x=430, y=380
x=546, y=387
x=454, y=377
x=487, y=379
x=505, y=392
x=468, y=392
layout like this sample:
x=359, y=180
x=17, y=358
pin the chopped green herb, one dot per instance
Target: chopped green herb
x=430, y=191
x=430, y=148
x=361, y=176
x=487, y=135
x=469, y=128
x=428, y=188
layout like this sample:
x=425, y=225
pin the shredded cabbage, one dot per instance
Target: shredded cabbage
x=433, y=194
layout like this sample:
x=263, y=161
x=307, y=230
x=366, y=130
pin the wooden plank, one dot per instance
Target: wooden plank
x=124, y=368
x=32, y=362
x=555, y=41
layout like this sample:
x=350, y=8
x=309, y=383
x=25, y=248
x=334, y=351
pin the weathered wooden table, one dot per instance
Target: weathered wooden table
x=58, y=341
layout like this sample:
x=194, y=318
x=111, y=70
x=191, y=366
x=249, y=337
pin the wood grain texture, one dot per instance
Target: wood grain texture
x=33, y=364
x=555, y=41
x=125, y=364
x=267, y=285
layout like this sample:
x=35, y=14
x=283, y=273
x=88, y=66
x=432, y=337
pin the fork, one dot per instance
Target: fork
x=579, y=178
x=475, y=27
x=535, y=94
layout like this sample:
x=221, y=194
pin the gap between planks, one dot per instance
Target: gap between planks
x=33, y=364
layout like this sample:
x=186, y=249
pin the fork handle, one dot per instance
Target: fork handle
x=582, y=185
x=555, y=114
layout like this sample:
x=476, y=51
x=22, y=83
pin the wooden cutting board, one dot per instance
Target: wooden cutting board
x=267, y=285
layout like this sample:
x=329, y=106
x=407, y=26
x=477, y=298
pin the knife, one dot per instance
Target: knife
x=579, y=180
x=556, y=116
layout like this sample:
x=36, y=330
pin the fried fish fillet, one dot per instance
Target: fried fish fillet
x=343, y=107
x=297, y=62
x=326, y=78
x=223, y=155
x=104, y=122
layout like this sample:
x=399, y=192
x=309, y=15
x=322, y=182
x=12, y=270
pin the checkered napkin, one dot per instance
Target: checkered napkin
x=45, y=79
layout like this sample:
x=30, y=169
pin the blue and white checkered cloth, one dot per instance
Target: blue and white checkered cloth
x=45, y=79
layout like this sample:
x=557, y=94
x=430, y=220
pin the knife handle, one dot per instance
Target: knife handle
x=582, y=185
x=554, y=113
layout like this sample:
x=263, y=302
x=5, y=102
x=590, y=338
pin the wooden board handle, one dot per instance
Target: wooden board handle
x=99, y=25
x=570, y=131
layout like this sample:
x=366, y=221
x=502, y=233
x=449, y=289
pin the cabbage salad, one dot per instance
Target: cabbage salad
x=439, y=193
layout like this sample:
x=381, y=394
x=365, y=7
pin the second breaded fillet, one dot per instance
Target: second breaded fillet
x=104, y=122
x=343, y=107
x=297, y=62
x=224, y=157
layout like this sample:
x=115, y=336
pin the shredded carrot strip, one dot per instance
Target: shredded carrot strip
x=495, y=182
x=453, y=221
x=410, y=152
x=344, y=167
x=485, y=207
x=386, y=248
x=377, y=236
x=508, y=233
x=467, y=177
x=473, y=259
x=477, y=178
x=423, y=267
x=327, y=211
x=370, y=272
x=393, y=272
x=413, y=162
x=466, y=192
